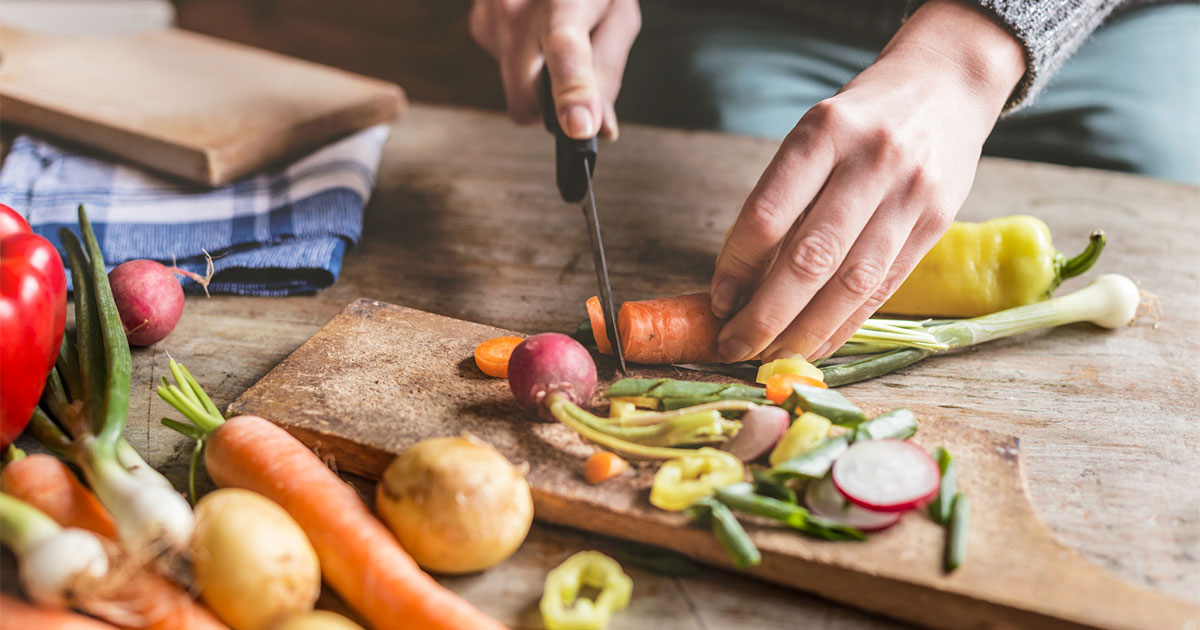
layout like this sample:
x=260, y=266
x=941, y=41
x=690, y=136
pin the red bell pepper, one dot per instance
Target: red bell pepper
x=33, y=314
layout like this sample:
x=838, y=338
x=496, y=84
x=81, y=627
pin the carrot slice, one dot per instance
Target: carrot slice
x=670, y=330
x=492, y=355
x=599, y=329
x=602, y=466
x=779, y=387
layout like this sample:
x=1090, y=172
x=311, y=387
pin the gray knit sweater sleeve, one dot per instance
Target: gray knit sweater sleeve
x=1049, y=31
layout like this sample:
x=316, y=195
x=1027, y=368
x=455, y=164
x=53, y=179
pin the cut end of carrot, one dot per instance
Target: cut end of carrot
x=602, y=466
x=599, y=330
x=492, y=355
x=779, y=387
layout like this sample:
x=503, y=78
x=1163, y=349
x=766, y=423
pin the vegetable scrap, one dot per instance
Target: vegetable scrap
x=563, y=605
x=779, y=386
x=602, y=466
x=492, y=356
x=684, y=480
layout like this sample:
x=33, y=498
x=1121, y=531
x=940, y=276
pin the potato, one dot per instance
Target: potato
x=317, y=620
x=455, y=504
x=252, y=562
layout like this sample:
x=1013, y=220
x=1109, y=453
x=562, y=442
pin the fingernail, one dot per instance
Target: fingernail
x=822, y=351
x=723, y=297
x=732, y=350
x=579, y=122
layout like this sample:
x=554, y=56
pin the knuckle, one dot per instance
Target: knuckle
x=827, y=114
x=815, y=255
x=886, y=145
x=862, y=277
x=767, y=324
x=764, y=216
x=891, y=282
x=564, y=40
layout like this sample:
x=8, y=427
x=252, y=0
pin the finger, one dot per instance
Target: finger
x=611, y=40
x=806, y=261
x=787, y=187
x=520, y=65
x=482, y=25
x=849, y=292
x=566, y=44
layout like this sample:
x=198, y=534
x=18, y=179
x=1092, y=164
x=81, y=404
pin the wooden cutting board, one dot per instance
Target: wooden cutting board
x=185, y=104
x=379, y=377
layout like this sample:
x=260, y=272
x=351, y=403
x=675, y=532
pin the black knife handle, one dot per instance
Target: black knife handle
x=572, y=180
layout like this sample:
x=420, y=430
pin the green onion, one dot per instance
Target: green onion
x=1110, y=301
x=824, y=402
x=741, y=497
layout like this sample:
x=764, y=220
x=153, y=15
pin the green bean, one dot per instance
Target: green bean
x=896, y=424
x=939, y=508
x=824, y=402
x=768, y=486
x=729, y=532
x=741, y=497
x=956, y=532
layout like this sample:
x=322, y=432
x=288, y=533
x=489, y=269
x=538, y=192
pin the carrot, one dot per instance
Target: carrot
x=602, y=466
x=664, y=330
x=16, y=614
x=359, y=556
x=599, y=329
x=779, y=387
x=492, y=355
x=47, y=484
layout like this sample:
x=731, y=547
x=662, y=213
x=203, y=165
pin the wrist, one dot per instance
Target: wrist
x=955, y=37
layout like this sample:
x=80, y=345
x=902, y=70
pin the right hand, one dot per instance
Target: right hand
x=584, y=45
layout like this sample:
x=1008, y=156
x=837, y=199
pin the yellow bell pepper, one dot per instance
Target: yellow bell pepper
x=981, y=268
x=562, y=606
x=804, y=435
x=794, y=365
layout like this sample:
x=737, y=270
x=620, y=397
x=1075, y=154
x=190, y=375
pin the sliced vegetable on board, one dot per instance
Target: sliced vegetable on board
x=679, y=329
x=682, y=481
x=33, y=314
x=956, y=532
x=779, y=386
x=805, y=434
x=564, y=605
x=814, y=464
x=741, y=497
x=602, y=466
x=939, y=508
x=492, y=355
x=795, y=365
x=359, y=557
x=727, y=530
x=824, y=499
x=252, y=563
x=886, y=475
x=981, y=268
x=762, y=428
x=455, y=504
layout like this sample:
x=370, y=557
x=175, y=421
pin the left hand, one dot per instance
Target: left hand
x=864, y=185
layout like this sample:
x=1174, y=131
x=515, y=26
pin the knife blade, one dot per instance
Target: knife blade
x=575, y=161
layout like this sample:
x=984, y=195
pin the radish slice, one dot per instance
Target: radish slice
x=823, y=498
x=762, y=427
x=886, y=475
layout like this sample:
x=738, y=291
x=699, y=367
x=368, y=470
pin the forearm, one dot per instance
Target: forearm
x=1047, y=31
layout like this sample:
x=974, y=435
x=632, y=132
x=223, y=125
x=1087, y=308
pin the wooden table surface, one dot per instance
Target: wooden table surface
x=466, y=222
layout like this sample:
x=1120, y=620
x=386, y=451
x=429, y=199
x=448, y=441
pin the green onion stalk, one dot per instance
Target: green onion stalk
x=653, y=435
x=84, y=406
x=58, y=567
x=1110, y=301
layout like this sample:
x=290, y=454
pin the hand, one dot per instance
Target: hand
x=864, y=185
x=584, y=45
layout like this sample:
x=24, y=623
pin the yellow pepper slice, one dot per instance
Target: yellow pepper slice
x=794, y=365
x=684, y=480
x=562, y=607
x=806, y=433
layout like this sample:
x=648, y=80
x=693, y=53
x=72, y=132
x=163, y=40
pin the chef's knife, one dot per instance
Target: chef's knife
x=574, y=163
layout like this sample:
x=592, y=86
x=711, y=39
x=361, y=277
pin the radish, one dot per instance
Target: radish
x=149, y=298
x=551, y=366
x=762, y=428
x=886, y=475
x=823, y=498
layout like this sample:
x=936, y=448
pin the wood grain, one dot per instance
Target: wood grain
x=181, y=103
x=1106, y=419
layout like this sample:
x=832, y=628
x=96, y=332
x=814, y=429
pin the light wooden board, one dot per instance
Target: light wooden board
x=378, y=378
x=181, y=103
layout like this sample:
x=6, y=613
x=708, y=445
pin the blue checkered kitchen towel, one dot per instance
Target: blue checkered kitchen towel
x=280, y=232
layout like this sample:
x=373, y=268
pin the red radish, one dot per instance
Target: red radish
x=886, y=475
x=823, y=498
x=149, y=298
x=551, y=363
x=762, y=427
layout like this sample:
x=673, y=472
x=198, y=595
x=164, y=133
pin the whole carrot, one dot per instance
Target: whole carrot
x=46, y=483
x=146, y=601
x=359, y=557
x=16, y=614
